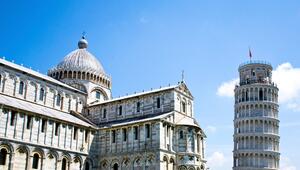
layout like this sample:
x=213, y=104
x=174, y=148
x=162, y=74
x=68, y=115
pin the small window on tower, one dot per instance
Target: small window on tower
x=98, y=95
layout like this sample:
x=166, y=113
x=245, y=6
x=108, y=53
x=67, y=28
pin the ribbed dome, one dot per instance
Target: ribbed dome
x=80, y=60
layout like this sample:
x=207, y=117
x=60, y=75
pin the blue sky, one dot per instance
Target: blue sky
x=146, y=44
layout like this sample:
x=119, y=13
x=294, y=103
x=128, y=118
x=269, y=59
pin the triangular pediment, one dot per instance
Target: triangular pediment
x=182, y=87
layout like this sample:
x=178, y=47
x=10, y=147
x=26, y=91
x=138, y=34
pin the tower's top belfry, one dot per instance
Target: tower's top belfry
x=255, y=72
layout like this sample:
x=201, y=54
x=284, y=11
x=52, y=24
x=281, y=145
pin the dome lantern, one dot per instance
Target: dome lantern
x=82, y=43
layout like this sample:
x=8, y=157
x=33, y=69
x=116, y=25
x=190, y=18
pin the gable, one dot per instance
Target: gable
x=182, y=87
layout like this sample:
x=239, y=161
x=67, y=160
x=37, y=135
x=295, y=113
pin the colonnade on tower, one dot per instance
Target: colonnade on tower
x=256, y=124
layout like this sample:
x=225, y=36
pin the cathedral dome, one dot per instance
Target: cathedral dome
x=81, y=60
x=80, y=65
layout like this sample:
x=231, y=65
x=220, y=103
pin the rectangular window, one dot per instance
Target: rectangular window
x=120, y=110
x=183, y=107
x=158, y=102
x=87, y=132
x=168, y=131
x=104, y=113
x=124, y=135
x=98, y=94
x=42, y=92
x=43, y=125
x=62, y=103
x=29, y=118
x=21, y=87
x=75, y=133
x=135, y=132
x=147, y=129
x=113, y=136
x=58, y=100
x=12, y=118
x=138, y=107
x=57, y=128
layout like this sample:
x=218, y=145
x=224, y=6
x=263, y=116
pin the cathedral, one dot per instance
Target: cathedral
x=68, y=120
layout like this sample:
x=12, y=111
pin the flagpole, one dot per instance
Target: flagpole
x=250, y=54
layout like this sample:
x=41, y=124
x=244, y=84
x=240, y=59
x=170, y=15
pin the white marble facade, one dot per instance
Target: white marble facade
x=256, y=123
x=68, y=120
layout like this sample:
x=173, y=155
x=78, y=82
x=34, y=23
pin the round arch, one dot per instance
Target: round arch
x=182, y=167
x=21, y=155
x=77, y=162
x=101, y=90
x=104, y=164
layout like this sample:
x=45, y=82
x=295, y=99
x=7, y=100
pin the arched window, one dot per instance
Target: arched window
x=64, y=164
x=87, y=166
x=42, y=92
x=21, y=87
x=35, y=161
x=116, y=166
x=3, y=155
x=260, y=94
x=58, y=98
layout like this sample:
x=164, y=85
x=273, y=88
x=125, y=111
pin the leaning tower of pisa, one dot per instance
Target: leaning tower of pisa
x=256, y=124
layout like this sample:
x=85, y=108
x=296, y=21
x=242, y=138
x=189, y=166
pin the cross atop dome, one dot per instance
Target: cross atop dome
x=82, y=43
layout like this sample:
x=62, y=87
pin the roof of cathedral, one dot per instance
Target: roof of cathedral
x=80, y=60
x=145, y=93
x=133, y=120
x=36, y=74
x=137, y=94
x=42, y=110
